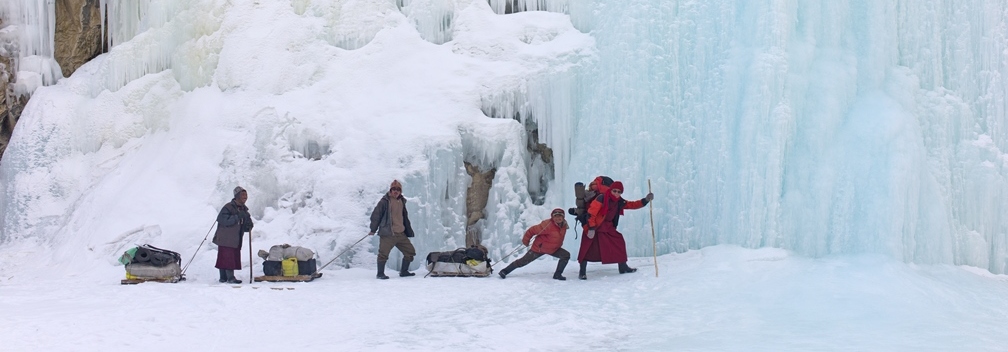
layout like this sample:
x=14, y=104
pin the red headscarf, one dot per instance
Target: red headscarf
x=609, y=198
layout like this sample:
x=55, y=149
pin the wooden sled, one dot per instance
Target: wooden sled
x=299, y=278
x=451, y=274
x=135, y=281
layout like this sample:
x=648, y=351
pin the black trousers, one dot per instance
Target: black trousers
x=560, y=253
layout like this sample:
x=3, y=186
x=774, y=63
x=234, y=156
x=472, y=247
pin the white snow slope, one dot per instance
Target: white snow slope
x=851, y=149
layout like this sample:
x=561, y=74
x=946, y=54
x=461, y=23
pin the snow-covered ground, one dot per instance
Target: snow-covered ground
x=720, y=298
x=866, y=139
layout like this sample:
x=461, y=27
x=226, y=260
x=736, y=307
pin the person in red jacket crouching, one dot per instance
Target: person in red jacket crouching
x=549, y=236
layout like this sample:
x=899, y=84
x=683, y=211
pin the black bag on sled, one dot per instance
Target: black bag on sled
x=149, y=262
x=472, y=261
x=274, y=259
x=275, y=267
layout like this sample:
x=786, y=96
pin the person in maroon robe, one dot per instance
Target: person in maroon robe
x=602, y=242
x=233, y=222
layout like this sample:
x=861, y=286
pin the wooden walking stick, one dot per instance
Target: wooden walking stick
x=654, y=243
x=250, y=256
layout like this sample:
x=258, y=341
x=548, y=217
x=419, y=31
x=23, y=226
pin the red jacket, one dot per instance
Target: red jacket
x=549, y=236
x=595, y=209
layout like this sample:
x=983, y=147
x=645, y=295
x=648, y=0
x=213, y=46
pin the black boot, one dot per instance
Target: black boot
x=504, y=273
x=626, y=269
x=381, y=271
x=223, y=276
x=231, y=278
x=404, y=269
x=558, y=275
x=583, y=273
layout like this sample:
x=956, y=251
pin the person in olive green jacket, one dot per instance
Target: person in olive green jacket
x=391, y=221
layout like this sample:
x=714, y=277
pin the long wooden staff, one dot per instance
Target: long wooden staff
x=654, y=243
x=250, y=256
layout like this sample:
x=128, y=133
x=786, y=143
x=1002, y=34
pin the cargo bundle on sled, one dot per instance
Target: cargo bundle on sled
x=286, y=263
x=148, y=263
x=472, y=261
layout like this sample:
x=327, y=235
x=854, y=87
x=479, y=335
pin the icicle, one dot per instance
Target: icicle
x=36, y=23
x=512, y=6
x=433, y=18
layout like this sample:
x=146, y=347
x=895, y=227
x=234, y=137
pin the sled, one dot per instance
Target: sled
x=442, y=269
x=298, y=278
x=462, y=262
x=135, y=281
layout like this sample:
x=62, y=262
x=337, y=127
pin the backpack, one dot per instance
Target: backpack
x=583, y=197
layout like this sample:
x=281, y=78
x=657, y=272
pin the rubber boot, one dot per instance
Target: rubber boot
x=626, y=269
x=583, y=273
x=558, y=275
x=404, y=269
x=381, y=271
x=223, y=276
x=231, y=278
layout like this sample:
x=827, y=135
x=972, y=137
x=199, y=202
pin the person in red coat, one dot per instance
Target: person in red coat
x=602, y=243
x=549, y=237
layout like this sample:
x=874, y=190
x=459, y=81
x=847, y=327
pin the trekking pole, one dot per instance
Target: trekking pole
x=250, y=256
x=344, y=251
x=198, y=248
x=654, y=243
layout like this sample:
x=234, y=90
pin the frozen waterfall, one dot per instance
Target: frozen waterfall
x=821, y=127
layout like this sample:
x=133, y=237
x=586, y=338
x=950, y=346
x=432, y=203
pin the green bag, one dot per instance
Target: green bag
x=127, y=257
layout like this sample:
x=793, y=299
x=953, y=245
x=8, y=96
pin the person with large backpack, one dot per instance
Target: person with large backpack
x=391, y=221
x=549, y=237
x=233, y=222
x=583, y=198
x=602, y=242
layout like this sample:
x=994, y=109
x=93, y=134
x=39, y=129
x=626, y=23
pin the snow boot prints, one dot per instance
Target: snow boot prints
x=404, y=269
x=381, y=271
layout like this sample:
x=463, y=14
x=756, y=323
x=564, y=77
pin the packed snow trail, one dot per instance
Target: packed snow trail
x=719, y=298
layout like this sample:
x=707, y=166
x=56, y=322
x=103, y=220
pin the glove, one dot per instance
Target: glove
x=591, y=233
x=246, y=221
x=649, y=197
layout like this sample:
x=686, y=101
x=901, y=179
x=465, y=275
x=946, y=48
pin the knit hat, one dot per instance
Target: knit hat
x=395, y=183
x=238, y=190
x=557, y=211
x=617, y=185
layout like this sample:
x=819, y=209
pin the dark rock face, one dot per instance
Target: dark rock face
x=476, y=200
x=78, y=39
x=10, y=105
x=78, y=33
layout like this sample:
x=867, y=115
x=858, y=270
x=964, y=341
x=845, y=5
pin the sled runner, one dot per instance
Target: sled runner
x=298, y=278
x=135, y=281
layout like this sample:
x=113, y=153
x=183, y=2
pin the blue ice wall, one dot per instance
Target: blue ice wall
x=822, y=127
